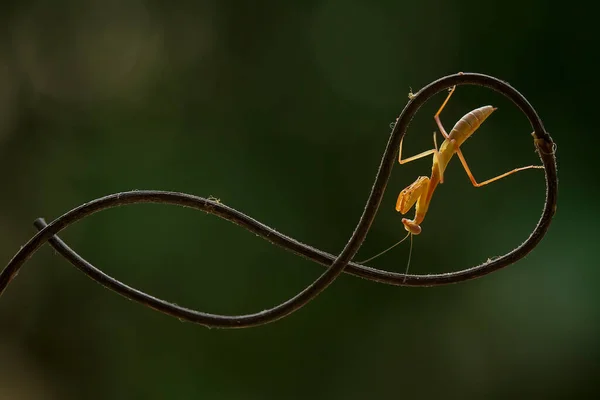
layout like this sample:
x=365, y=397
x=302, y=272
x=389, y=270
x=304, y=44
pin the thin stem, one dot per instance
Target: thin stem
x=336, y=264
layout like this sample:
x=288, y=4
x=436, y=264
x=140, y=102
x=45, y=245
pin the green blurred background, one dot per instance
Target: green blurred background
x=282, y=110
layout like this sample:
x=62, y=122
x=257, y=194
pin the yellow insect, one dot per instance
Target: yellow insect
x=421, y=191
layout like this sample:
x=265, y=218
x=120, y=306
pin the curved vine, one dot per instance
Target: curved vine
x=335, y=264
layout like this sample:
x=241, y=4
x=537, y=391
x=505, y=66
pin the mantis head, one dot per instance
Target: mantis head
x=411, y=226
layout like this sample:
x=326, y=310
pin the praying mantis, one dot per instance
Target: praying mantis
x=421, y=191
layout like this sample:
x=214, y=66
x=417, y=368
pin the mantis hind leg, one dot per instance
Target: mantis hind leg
x=504, y=175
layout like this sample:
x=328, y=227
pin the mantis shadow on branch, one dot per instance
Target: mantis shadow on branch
x=335, y=264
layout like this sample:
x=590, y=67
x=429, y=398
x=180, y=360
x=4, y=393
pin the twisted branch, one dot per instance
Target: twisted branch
x=335, y=264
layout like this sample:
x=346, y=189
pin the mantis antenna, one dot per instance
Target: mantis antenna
x=386, y=250
x=391, y=247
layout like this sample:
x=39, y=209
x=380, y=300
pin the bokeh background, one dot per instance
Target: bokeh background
x=282, y=110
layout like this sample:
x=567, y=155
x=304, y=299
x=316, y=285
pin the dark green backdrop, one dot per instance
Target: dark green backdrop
x=282, y=110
